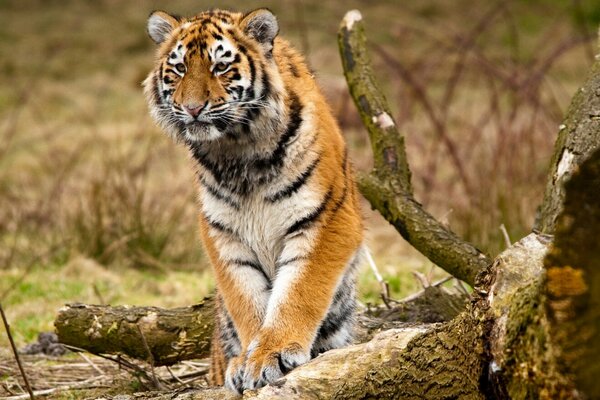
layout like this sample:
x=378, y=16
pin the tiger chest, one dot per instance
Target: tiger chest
x=259, y=224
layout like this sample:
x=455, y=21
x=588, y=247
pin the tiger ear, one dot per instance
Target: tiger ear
x=160, y=26
x=262, y=25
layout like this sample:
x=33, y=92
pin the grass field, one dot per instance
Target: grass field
x=97, y=205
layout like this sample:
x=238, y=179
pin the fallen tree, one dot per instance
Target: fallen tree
x=530, y=328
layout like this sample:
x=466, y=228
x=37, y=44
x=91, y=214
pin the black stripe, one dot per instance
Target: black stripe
x=266, y=85
x=294, y=70
x=213, y=168
x=289, y=261
x=284, y=369
x=215, y=193
x=304, y=222
x=334, y=322
x=295, y=120
x=254, y=266
x=250, y=90
x=219, y=226
x=339, y=202
x=156, y=91
x=332, y=325
x=295, y=185
x=241, y=175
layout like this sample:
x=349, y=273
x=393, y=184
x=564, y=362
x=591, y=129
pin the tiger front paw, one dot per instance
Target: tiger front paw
x=234, y=376
x=266, y=364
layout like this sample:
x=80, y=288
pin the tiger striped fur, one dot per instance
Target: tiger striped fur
x=279, y=209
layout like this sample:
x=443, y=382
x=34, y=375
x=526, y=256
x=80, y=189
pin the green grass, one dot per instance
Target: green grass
x=33, y=303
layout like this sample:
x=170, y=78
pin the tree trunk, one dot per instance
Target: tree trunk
x=573, y=280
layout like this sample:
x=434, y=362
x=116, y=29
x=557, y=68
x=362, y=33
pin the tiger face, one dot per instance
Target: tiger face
x=210, y=71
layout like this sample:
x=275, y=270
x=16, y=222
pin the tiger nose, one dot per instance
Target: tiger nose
x=193, y=109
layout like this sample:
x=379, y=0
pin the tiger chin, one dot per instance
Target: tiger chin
x=278, y=206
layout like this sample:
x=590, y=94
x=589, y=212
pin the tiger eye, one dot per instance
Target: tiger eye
x=220, y=67
x=180, y=67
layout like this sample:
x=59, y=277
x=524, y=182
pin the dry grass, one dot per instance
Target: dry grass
x=79, y=375
x=97, y=205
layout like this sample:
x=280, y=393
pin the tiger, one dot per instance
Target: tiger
x=279, y=211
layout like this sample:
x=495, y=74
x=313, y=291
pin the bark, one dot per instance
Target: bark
x=388, y=186
x=578, y=138
x=172, y=335
x=573, y=283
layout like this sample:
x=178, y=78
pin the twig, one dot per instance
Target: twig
x=16, y=353
x=419, y=293
x=7, y=388
x=460, y=285
x=385, y=288
x=119, y=360
x=98, y=294
x=150, y=359
x=506, y=237
x=91, y=363
x=174, y=376
x=423, y=280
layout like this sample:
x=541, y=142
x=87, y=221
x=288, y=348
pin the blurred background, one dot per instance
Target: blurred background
x=98, y=206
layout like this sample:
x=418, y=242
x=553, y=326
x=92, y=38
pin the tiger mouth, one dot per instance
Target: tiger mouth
x=198, y=124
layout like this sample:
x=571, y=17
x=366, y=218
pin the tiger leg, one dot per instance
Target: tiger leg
x=225, y=345
x=302, y=294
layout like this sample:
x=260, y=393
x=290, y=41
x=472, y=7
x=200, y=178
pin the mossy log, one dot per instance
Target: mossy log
x=573, y=280
x=433, y=361
x=172, y=335
x=184, y=333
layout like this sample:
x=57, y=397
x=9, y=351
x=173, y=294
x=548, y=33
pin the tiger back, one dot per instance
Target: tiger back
x=279, y=211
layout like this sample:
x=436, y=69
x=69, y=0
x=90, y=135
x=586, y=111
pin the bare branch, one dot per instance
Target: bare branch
x=388, y=187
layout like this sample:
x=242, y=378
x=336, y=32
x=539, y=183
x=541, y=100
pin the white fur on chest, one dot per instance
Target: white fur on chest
x=260, y=225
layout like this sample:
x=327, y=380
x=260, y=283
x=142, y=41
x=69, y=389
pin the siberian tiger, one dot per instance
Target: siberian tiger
x=279, y=210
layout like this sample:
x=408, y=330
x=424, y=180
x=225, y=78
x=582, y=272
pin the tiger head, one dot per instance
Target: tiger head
x=211, y=72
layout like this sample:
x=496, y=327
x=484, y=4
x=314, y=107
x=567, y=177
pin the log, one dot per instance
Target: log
x=184, y=333
x=388, y=186
x=172, y=335
x=433, y=361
